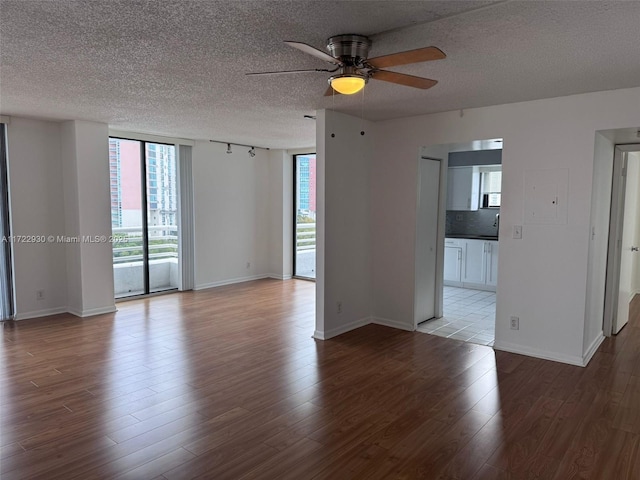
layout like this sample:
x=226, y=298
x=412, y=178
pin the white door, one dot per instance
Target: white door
x=629, y=240
x=426, y=239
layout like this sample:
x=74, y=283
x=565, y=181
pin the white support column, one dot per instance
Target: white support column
x=85, y=160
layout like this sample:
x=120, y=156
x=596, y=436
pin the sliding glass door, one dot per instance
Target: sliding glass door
x=304, y=257
x=144, y=216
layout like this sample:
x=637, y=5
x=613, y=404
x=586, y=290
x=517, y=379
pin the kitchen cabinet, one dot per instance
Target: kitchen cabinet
x=492, y=264
x=480, y=264
x=463, y=188
x=474, y=261
x=453, y=262
x=471, y=263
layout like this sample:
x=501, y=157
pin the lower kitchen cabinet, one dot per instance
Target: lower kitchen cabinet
x=452, y=265
x=474, y=262
x=492, y=264
x=471, y=263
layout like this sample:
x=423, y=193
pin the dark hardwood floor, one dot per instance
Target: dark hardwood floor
x=227, y=383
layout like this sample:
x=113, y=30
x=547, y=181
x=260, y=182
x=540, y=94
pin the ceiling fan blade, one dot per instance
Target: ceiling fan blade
x=314, y=51
x=403, y=79
x=404, y=58
x=281, y=72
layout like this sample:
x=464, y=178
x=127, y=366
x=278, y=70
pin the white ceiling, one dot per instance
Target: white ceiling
x=177, y=67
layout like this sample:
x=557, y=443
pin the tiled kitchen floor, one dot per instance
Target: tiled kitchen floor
x=469, y=315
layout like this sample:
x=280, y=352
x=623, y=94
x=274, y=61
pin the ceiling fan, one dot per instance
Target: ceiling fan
x=353, y=69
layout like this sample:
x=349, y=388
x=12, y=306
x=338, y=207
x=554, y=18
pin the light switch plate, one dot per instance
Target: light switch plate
x=517, y=232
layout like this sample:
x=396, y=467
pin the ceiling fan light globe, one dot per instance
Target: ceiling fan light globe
x=347, y=84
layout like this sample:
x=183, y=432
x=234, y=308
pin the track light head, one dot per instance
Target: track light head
x=229, y=148
x=252, y=152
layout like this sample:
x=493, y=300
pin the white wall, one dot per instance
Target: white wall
x=35, y=179
x=71, y=215
x=59, y=181
x=543, y=275
x=231, y=203
x=343, y=235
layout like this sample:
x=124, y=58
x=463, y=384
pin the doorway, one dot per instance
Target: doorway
x=623, y=270
x=304, y=216
x=467, y=273
x=144, y=216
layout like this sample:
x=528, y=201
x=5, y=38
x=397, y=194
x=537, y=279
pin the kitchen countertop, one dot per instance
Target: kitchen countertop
x=473, y=237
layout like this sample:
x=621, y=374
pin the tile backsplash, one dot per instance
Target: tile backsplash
x=479, y=222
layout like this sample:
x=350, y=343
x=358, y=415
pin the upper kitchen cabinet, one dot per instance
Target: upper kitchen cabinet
x=463, y=188
x=491, y=189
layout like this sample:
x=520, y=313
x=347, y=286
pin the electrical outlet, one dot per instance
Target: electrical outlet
x=39, y=294
x=515, y=323
x=339, y=306
x=459, y=217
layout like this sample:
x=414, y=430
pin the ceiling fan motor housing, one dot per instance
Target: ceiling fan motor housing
x=351, y=49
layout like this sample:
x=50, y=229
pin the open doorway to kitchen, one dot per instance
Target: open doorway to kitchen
x=470, y=265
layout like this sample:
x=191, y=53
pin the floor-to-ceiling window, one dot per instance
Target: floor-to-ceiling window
x=304, y=255
x=144, y=216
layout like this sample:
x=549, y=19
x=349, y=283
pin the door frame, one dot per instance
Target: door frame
x=616, y=224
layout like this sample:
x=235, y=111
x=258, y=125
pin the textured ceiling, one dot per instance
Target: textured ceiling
x=177, y=67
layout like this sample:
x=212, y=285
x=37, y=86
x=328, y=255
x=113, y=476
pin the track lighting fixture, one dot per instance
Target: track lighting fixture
x=252, y=149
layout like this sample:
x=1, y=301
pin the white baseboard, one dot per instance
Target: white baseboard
x=230, y=281
x=58, y=310
x=535, y=352
x=347, y=327
x=593, y=348
x=392, y=323
x=41, y=313
x=319, y=335
x=280, y=277
x=92, y=311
